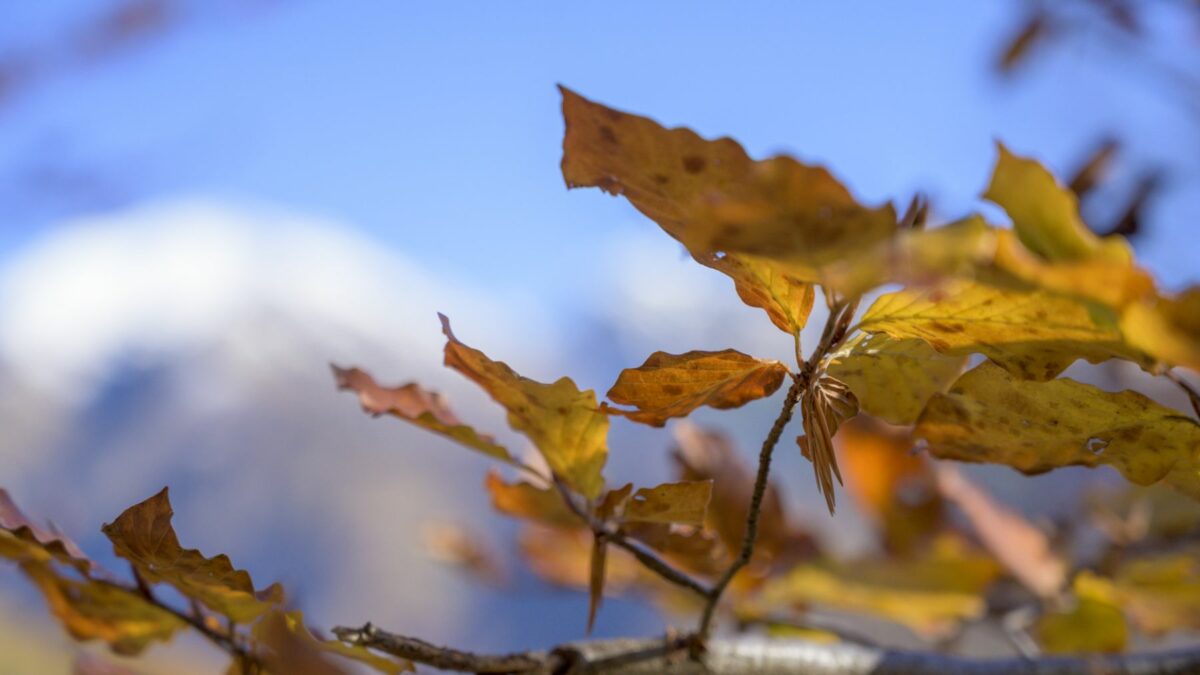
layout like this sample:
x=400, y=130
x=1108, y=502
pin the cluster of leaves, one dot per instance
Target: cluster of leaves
x=1021, y=303
x=221, y=603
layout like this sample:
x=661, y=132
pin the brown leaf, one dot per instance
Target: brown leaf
x=420, y=406
x=690, y=547
x=143, y=535
x=669, y=385
x=1033, y=31
x=525, y=500
x=596, y=578
x=31, y=542
x=684, y=503
x=1015, y=543
x=825, y=406
x=291, y=648
x=453, y=544
x=562, y=421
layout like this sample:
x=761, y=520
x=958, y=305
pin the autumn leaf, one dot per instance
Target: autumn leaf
x=1167, y=328
x=143, y=535
x=454, y=545
x=991, y=416
x=1032, y=335
x=891, y=485
x=669, y=385
x=531, y=502
x=596, y=570
x=562, y=421
x=683, y=503
x=893, y=378
x=825, y=406
x=23, y=540
x=690, y=547
x=564, y=558
x=420, y=406
x=930, y=593
x=1160, y=591
x=1014, y=542
x=765, y=284
x=1093, y=624
x=96, y=610
x=292, y=648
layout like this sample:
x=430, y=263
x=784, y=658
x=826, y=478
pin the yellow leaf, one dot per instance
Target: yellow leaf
x=893, y=378
x=95, y=610
x=1094, y=624
x=143, y=535
x=420, y=406
x=990, y=416
x=525, y=500
x=761, y=283
x=562, y=421
x=1167, y=328
x=1112, y=283
x=930, y=593
x=294, y=649
x=1161, y=592
x=683, y=503
x=710, y=195
x=1045, y=215
x=669, y=385
x=1032, y=335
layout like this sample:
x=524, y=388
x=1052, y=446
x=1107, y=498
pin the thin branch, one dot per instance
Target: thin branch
x=444, y=658
x=756, y=499
x=1193, y=395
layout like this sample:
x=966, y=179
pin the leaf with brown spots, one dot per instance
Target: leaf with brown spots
x=143, y=535
x=415, y=404
x=991, y=416
x=670, y=385
x=531, y=502
x=95, y=610
x=22, y=540
x=684, y=503
x=893, y=378
x=563, y=422
x=1033, y=335
x=1167, y=328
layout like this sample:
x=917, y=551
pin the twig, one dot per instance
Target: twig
x=760, y=488
x=444, y=658
x=1193, y=395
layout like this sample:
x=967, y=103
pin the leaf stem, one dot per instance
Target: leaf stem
x=1193, y=395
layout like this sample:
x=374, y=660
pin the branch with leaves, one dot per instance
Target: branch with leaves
x=881, y=397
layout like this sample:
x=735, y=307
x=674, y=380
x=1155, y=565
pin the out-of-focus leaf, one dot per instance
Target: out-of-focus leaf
x=891, y=485
x=23, y=540
x=930, y=593
x=1033, y=31
x=292, y=648
x=683, y=503
x=1161, y=592
x=710, y=195
x=1093, y=624
x=525, y=500
x=143, y=535
x=669, y=385
x=765, y=284
x=614, y=502
x=453, y=544
x=420, y=406
x=596, y=569
x=95, y=610
x=1167, y=328
x=893, y=378
x=704, y=454
x=1094, y=169
x=1132, y=513
x=1015, y=543
x=827, y=404
x=690, y=547
x=1045, y=214
x=1032, y=335
x=562, y=421
x=990, y=416
x=87, y=663
x=564, y=558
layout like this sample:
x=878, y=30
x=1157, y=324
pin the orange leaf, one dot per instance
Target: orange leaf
x=669, y=385
x=525, y=500
x=683, y=503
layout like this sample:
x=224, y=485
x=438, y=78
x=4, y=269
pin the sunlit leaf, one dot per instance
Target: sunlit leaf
x=529, y=501
x=23, y=540
x=420, y=406
x=96, y=610
x=1033, y=335
x=991, y=416
x=669, y=385
x=893, y=378
x=683, y=503
x=562, y=421
x=1167, y=328
x=765, y=284
x=930, y=593
x=143, y=535
x=1092, y=624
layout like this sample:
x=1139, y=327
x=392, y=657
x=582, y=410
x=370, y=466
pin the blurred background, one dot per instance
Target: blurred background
x=205, y=202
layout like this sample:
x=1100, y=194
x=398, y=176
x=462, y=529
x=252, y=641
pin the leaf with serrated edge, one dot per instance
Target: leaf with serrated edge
x=673, y=385
x=420, y=406
x=683, y=503
x=893, y=378
x=94, y=610
x=991, y=416
x=143, y=535
x=25, y=540
x=1033, y=335
x=562, y=421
